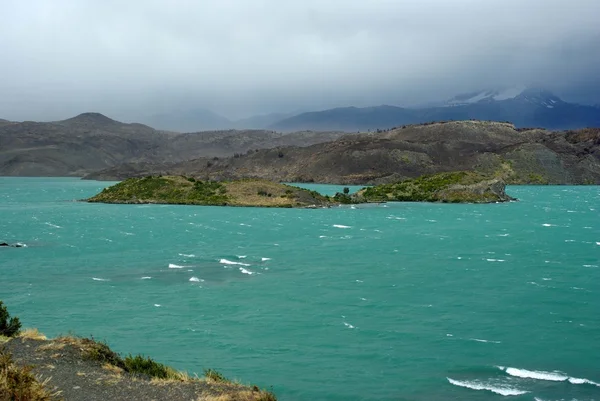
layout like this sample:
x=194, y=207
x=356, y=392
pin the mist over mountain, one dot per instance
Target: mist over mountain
x=525, y=107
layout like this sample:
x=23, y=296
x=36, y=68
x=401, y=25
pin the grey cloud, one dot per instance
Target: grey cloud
x=239, y=57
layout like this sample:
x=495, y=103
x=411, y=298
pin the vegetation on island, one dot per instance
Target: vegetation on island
x=452, y=187
x=182, y=190
x=19, y=381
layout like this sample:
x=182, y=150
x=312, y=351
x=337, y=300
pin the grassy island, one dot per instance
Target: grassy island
x=181, y=190
x=452, y=187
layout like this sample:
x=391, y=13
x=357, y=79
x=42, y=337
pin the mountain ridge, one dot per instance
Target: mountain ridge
x=519, y=156
x=91, y=141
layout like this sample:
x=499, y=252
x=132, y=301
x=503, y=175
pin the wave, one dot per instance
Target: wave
x=146, y=278
x=348, y=325
x=100, y=279
x=549, y=376
x=52, y=225
x=475, y=385
x=265, y=259
x=340, y=226
x=242, y=256
x=196, y=280
x=174, y=266
x=485, y=341
x=190, y=255
x=229, y=262
x=246, y=271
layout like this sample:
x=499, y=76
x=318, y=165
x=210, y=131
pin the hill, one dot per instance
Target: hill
x=181, y=190
x=521, y=156
x=92, y=141
x=528, y=108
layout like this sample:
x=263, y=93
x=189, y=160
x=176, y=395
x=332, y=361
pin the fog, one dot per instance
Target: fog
x=133, y=58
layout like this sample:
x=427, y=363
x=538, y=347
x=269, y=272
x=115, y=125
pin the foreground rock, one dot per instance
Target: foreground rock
x=182, y=190
x=455, y=187
x=74, y=369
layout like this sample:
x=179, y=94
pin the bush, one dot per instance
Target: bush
x=213, y=375
x=9, y=326
x=146, y=366
x=346, y=190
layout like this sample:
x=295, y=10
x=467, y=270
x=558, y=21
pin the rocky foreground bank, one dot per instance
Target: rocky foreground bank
x=34, y=368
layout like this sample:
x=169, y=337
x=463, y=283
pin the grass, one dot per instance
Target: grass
x=32, y=334
x=18, y=383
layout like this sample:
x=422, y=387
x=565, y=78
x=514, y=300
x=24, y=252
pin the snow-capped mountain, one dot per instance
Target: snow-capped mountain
x=536, y=96
x=487, y=95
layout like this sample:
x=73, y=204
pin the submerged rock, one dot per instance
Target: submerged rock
x=4, y=244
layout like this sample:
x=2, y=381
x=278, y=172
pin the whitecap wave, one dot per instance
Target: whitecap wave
x=497, y=389
x=496, y=260
x=174, y=266
x=340, y=226
x=196, y=280
x=265, y=259
x=146, y=278
x=246, y=271
x=157, y=305
x=52, y=225
x=229, y=262
x=348, y=325
x=535, y=374
x=100, y=279
x=548, y=225
x=549, y=376
x=576, y=380
x=188, y=255
x=242, y=256
x=485, y=341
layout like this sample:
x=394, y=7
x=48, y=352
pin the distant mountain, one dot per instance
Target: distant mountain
x=260, y=121
x=348, y=119
x=530, y=107
x=194, y=120
x=92, y=141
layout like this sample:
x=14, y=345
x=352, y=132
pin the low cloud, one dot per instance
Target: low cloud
x=240, y=57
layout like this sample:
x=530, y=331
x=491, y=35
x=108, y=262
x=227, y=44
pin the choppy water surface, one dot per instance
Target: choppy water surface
x=395, y=302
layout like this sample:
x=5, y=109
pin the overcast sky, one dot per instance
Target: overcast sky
x=127, y=58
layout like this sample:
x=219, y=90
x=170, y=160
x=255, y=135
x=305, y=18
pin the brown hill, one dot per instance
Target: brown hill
x=92, y=141
x=519, y=156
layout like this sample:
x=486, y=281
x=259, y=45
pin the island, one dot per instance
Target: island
x=450, y=187
x=182, y=190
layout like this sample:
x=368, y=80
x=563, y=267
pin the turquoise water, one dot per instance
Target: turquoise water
x=395, y=302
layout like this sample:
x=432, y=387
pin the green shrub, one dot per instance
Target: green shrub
x=9, y=326
x=213, y=375
x=146, y=366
